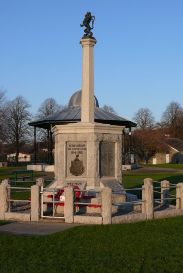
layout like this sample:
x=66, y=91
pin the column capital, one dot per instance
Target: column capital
x=88, y=42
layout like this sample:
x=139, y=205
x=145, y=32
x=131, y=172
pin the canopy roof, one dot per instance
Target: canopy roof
x=73, y=114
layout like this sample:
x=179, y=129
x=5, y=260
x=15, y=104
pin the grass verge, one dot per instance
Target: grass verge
x=168, y=166
x=152, y=246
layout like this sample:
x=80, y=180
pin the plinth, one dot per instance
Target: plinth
x=87, y=154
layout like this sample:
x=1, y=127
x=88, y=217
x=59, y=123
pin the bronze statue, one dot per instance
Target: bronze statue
x=86, y=23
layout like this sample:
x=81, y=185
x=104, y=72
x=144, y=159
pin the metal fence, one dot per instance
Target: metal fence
x=19, y=199
x=164, y=195
x=87, y=202
x=52, y=203
x=132, y=201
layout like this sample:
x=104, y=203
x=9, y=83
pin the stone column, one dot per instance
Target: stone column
x=106, y=205
x=165, y=189
x=35, y=203
x=149, y=198
x=179, y=196
x=3, y=198
x=69, y=205
x=87, y=101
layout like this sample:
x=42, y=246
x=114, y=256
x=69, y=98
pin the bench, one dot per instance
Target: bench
x=23, y=175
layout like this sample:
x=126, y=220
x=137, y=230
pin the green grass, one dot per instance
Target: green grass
x=136, y=180
x=7, y=172
x=3, y=222
x=152, y=247
x=168, y=166
x=131, y=180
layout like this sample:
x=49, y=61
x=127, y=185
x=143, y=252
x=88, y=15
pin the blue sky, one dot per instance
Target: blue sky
x=138, y=55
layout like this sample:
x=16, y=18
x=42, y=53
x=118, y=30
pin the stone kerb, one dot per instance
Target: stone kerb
x=3, y=198
x=148, y=198
x=106, y=205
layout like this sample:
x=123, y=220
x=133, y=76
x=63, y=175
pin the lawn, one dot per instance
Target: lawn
x=168, y=166
x=136, y=180
x=8, y=172
x=151, y=246
x=131, y=179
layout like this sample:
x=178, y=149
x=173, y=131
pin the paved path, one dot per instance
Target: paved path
x=34, y=228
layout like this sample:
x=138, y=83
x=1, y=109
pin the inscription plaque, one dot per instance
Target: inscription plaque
x=76, y=158
x=107, y=159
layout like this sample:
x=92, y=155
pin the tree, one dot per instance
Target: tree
x=16, y=118
x=48, y=107
x=2, y=102
x=144, y=118
x=148, y=142
x=109, y=109
x=172, y=120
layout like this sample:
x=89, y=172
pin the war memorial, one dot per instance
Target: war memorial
x=88, y=165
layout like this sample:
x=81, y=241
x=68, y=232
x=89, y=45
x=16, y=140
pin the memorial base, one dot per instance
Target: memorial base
x=87, y=154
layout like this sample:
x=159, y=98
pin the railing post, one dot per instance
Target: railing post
x=179, y=196
x=165, y=190
x=35, y=203
x=40, y=182
x=3, y=198
x=106, y=195
x=69, y=205
x=149, y=198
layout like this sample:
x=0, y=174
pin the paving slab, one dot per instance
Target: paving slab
x=34, y=228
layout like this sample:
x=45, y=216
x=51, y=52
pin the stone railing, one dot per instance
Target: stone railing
x=12, y=208
x=155, y=202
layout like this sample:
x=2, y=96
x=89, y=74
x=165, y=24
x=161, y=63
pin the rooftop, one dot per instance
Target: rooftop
x=73, y=114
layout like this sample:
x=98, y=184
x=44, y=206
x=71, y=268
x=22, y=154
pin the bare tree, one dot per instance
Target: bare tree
x=109, y=109
x=2, y=102
x=15, y=126
x=172, y=120
x=144, y=118
x=48, y=107
x=172, y=113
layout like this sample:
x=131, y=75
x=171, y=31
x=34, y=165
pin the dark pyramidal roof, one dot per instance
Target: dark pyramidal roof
x=73, y=114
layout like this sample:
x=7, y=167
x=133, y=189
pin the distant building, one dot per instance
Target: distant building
x=21, y=157
x=173, y=154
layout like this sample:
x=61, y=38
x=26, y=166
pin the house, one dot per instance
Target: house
x=173, y=152
x=21, y=157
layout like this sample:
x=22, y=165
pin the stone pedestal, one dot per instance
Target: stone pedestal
x=87, y=153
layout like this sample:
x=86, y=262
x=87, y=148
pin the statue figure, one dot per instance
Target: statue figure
x=86, y=23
